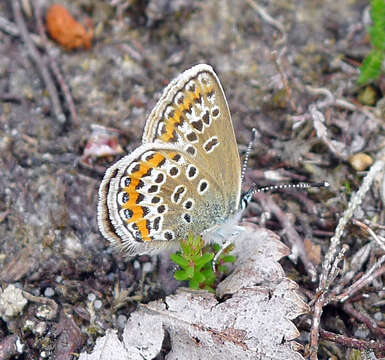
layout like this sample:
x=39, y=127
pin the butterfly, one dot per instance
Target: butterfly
x=184, y=178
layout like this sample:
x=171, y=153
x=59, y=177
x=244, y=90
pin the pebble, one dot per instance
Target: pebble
x=147, y=267
x=45, y=312
x=360, y=161
x=97, y=304
x=49, y=292
x=40, y=328
x=361, y=333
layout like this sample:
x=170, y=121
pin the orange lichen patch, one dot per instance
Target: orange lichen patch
x=65, y=30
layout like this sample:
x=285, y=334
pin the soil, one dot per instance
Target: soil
x=51, y=166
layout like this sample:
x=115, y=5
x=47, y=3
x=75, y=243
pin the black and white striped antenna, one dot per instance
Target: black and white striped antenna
x=246, y=160
x=247, y=196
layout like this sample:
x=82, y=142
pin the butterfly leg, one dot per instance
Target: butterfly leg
x=225, y=238
x=225, y=245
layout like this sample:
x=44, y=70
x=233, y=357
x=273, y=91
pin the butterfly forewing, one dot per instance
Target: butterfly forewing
x=193, y=113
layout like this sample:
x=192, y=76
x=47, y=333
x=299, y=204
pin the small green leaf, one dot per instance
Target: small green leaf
x=191, y=246
x=185, y=274
x=185, y=247
x=209, y=276
x=371, y=66
x=196, y=265
x=200, y=261
x=377, y=13
x=199, y=277
x=216, y=247
x=377, y=38
x=180, y=275
x=193, y=284
x=179, y=260
x=190, y=272
x=228, y=259
x=222, y=269
x=348, y=187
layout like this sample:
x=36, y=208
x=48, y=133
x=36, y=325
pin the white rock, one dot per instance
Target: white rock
x=12, y=302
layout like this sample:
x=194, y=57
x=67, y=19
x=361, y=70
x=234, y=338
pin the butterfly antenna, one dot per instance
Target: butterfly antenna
x=246, y=198
x=248, y=150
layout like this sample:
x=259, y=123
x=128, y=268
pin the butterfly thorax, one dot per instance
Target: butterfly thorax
x=225, y=231
x=210, y=215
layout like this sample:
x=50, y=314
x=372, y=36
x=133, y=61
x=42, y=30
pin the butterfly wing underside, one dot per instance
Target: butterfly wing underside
x=186, y=175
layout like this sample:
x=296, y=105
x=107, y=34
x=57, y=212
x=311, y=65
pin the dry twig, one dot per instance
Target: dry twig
x=39, y=63
x=331, y=100
x=334, y=255
x=54, y=67
x=374, y=272
x=353, y=343
x=370, y=323
x=378, y=239
x=265, y=16
x=293, y=237
x=277, y=61
x=354, y=202
x=356, y=263
x=319, y=126
x=42, y=300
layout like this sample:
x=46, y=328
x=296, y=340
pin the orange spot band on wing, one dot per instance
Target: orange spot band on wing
x=142, y=227
x=144, y=167
x=137, y=212
x=156, y=160
x=133, y=194
x=197, y=94
x=209, y=89
x=172, y=122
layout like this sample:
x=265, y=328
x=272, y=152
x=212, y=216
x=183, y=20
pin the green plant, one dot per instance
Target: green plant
x=371, y=66
x=195, y=262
